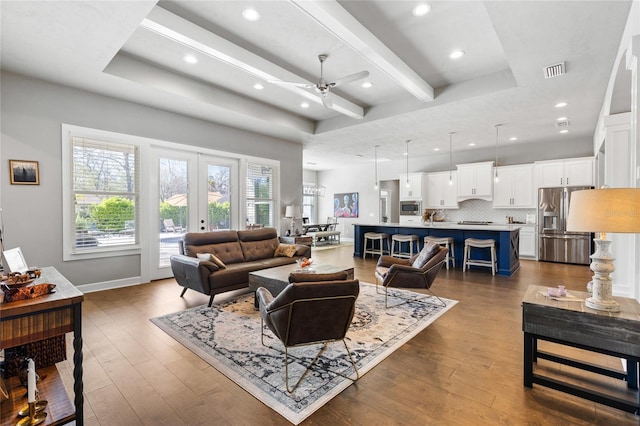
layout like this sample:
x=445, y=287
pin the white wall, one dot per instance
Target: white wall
x=622, y=149
x=31, y=115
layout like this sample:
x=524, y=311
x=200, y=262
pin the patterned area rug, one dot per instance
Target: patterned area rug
x=227, y=336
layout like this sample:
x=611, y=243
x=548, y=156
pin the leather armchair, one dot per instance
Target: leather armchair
x=394, y=272
x=293, y=316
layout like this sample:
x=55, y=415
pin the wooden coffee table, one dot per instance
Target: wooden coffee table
x=276, y=279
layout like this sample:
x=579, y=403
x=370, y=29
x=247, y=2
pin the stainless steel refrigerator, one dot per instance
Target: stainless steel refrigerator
x=555, y=244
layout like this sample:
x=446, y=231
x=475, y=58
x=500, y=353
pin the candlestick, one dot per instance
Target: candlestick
x=31, y=381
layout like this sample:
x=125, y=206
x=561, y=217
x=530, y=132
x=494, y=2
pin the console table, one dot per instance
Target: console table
x=573, y=324
x=27, y=321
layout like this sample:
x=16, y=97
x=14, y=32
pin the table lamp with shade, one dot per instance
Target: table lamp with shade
x=293, y=213
x=604, y=210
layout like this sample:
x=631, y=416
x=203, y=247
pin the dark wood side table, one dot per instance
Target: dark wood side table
x=573, y=324
x=27, y=321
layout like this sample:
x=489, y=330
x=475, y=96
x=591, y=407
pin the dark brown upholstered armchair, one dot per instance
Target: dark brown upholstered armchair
x=394, y=272
x=306, y=313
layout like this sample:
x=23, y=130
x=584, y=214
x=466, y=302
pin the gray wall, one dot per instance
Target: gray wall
x=31, y=114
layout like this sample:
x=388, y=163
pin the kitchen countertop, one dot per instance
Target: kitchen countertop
x=454, y=225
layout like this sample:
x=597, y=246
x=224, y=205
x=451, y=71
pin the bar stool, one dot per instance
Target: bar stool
x=381, y=237
x=478, y=243
x=403, y=238
x=446, y=242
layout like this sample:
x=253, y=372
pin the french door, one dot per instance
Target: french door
x=192, y=192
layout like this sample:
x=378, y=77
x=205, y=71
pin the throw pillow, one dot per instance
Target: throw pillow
x=285, y=250
x=301, y=277
x=212, y=258
x=428, y=251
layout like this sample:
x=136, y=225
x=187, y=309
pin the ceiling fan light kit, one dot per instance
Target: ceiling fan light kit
x=322, y=87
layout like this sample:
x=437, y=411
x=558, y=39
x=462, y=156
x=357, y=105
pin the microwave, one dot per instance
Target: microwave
x=410, y=208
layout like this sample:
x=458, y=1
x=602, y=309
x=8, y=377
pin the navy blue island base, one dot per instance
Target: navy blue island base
x=507, y=239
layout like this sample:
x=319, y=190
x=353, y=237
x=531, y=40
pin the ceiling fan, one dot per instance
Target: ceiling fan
x=322, y=86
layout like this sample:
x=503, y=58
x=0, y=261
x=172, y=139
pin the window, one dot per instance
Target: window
x=308, y=201
x=105, y=190
x=260, y=194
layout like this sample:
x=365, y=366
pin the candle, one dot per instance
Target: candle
x=31, y=381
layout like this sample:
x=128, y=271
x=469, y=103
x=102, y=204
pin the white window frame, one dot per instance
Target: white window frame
x=69, y=131
x=275, y=185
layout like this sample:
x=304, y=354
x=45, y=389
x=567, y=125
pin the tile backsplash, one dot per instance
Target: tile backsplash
x=481, y=210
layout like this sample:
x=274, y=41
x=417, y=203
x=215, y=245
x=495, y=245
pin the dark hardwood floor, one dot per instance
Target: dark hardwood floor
x=464, y=369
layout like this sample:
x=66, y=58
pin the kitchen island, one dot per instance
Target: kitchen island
x=507, y=239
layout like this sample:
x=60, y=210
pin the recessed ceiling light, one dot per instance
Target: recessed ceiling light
x=250, y=14
x=456, y=54
x=304, y=105
x=564, y=131
x=190, y=59
x=421, y=9
x=472, y=144
x=367, y=84
x=561, y=119
x=258, y=86
x=436, y=149
x=513, y=139
x=561, y=104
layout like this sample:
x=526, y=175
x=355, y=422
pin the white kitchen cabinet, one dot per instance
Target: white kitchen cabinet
x=417, y=186
x=567, y=172
x=475, y=181
x=514, y=188
x=441, y=193
x=528, y=241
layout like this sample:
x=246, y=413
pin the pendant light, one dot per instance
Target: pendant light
x=495, y=175
x=375, y=150
x=451, y=158
x=407, y=153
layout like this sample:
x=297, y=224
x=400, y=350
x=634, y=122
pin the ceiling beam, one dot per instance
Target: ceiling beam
x=181, y=31
x=350, y=31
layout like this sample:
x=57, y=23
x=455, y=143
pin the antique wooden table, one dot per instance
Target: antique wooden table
x=573, y=324
x=27, y=321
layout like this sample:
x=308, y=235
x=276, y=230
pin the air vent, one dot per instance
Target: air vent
x=562, y=124
x=554, y=70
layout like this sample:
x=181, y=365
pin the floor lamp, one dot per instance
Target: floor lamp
x=601, y=211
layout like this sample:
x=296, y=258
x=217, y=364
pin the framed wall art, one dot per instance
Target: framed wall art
x=345, y=204
x=24, y=172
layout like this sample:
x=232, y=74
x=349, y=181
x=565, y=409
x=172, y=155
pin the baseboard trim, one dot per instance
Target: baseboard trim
x=109, y=285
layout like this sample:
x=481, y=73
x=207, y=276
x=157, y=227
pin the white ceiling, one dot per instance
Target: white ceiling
x=135, y=50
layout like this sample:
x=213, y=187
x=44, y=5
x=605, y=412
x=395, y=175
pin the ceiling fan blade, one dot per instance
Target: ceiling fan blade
x=326, y=100
x=291, y=83
x=350, y=78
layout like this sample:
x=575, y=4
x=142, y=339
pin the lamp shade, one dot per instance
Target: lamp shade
x=605, y=210
x=289, y=212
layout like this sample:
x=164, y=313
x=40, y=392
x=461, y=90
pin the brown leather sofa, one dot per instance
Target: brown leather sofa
x=236, y=254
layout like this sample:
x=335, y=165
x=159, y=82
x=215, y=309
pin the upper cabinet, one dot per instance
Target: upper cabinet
x=413, y=186
x=441, y=191
x=514, y=188
x=475, y=180
x=568, y=172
